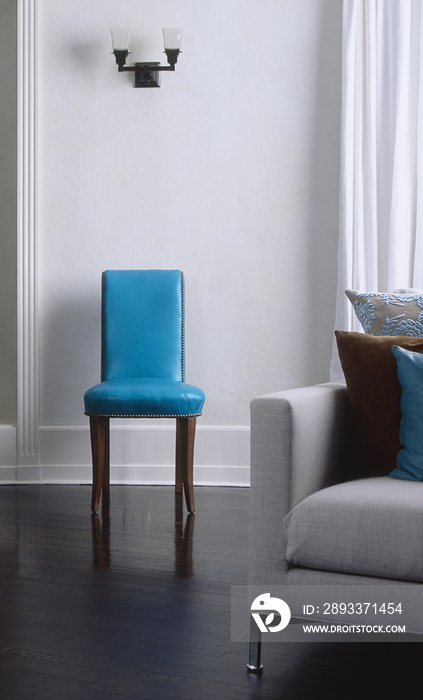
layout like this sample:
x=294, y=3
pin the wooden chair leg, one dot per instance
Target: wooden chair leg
x=184, y=463
x=100, y=442
x=179, y=481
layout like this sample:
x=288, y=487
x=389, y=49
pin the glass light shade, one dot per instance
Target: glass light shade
x=120, y=39
x=172, y=38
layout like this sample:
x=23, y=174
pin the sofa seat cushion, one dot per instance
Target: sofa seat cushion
x=370, y=527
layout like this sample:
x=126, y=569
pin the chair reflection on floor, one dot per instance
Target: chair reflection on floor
x=184, y=535
x=101, y=539
x=101, y=528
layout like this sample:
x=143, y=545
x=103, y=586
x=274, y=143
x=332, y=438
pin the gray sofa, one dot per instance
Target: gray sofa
x=309, y=526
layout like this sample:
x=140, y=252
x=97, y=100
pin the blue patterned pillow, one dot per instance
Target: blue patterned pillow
x=410, y=374
x=381, y=313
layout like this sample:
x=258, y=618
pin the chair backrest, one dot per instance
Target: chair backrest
x=142, y=324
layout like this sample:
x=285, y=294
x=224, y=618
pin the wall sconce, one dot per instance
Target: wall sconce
x=146, y=74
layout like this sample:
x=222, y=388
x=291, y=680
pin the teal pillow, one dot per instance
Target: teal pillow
x=410, y=374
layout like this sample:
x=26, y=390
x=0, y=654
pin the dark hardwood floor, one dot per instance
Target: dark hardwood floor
x=135, y=603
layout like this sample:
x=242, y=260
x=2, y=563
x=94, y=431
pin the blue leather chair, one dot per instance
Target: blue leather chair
x=142, y=369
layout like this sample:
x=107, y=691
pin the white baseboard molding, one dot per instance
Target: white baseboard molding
x=148, y=476
x=140, y=454
x=8, y=453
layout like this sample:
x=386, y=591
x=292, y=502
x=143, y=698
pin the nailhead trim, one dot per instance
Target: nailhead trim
x=183, y=325
x=137, y=415
x=103, y=283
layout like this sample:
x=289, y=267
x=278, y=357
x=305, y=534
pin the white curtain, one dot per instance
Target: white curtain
x=381, y=197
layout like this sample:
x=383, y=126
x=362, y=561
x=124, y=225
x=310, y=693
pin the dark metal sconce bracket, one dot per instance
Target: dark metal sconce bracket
x=146, y=76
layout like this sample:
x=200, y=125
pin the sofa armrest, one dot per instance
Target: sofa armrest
x=297, y=448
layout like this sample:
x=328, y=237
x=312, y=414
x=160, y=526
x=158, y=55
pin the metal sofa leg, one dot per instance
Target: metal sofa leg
x=254, y=663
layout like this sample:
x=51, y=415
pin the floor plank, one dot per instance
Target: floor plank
x=135, y=603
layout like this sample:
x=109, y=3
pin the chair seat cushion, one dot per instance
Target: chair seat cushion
x=371, y=527
x=144, y=397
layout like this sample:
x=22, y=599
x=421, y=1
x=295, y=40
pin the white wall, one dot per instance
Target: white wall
x=229, y=171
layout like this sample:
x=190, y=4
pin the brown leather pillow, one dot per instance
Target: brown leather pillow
x=374, y=392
